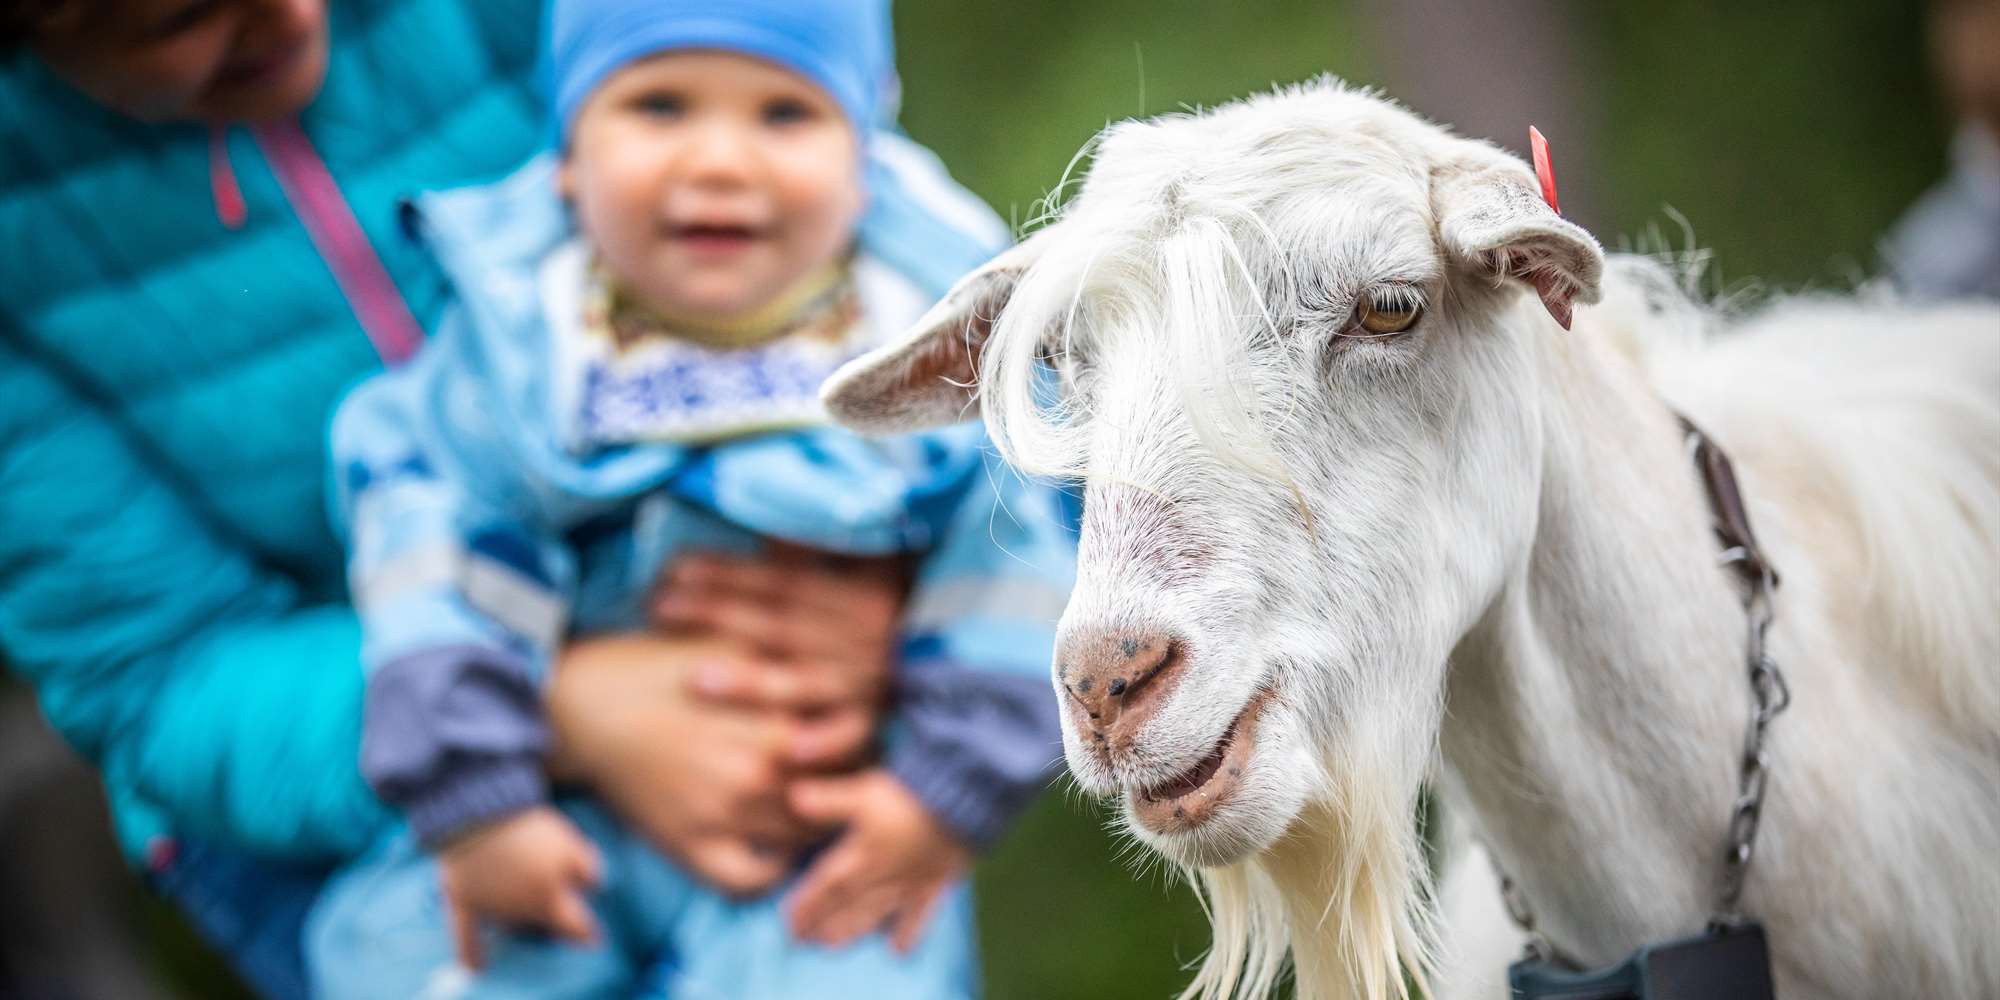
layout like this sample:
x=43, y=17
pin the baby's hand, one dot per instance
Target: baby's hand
x=528, y=870
x=891, y=864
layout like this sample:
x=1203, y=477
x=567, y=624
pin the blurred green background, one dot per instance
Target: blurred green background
x=1789, y=134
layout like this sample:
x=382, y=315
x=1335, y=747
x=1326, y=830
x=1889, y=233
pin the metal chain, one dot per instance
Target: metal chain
x=1769, y=696
x=1539, y=947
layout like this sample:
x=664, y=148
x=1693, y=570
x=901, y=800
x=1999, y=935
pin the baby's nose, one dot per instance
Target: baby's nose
x=719, y=152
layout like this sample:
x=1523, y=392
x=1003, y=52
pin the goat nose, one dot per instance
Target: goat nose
x=1114, y=679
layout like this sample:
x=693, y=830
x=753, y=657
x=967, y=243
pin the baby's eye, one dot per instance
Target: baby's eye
x=787, y=111
x=659, y=104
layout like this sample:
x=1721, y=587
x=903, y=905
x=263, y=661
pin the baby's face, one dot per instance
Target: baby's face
x=710, y=183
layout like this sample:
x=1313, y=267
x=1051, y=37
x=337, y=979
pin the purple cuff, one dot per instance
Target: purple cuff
x=454, y=737
x=475, y=795
x=978, y=748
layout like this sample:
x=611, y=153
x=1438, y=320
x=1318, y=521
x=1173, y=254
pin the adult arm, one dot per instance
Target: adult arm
x=196, y=679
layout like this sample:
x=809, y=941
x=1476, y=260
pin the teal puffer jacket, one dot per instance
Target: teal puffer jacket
x=169, y=582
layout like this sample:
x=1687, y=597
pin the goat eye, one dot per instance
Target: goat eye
x=1380, y=315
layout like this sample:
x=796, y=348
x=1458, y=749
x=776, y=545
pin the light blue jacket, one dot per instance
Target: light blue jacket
x=169, y=582
x=481, y=534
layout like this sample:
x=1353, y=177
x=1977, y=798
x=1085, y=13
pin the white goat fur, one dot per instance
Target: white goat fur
x=1483, y=541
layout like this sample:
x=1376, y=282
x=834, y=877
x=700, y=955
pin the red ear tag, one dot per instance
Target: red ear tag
x=1543, y=172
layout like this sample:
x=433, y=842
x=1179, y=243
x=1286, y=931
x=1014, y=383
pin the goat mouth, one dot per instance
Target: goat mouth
x=1190, y=799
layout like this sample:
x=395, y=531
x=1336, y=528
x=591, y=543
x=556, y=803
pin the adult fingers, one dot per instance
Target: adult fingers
x=756, y=580
x=794, y=582
x=769, y=826
x=847, y=610
x=709, y=612
x=777, y=630
x=826, y=886
x=843, y=644
x=829, y=800
x=740, y=789
x=735, y=868
x=831, y=739
x=772, y=833
x=757, y=682
x=907, y=928
x=464, y=932
x=609, y=697
x=866, y=912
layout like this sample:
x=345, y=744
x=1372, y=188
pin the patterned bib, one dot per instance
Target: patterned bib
x=628, y=377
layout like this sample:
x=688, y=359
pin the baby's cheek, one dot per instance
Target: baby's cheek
x=826, y=223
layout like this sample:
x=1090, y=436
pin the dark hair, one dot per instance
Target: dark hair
x=20, y=20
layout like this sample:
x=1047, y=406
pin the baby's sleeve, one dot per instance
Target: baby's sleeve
x=459, y=588
x=979, y=732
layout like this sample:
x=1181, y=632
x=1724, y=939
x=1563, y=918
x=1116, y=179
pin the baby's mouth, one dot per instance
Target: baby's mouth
x=716, y=238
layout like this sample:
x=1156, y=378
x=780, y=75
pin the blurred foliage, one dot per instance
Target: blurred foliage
x=1788, y=133
x=1066, y=910
x=1006, y=92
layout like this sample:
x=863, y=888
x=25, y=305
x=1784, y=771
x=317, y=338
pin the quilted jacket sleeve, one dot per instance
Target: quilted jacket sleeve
x=195, y=678
x=980, y=732
x=460, y=585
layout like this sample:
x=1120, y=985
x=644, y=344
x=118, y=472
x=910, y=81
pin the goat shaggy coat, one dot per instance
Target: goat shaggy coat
x=1474, y=548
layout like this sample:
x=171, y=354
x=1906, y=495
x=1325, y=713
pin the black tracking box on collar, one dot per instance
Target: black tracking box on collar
x=1727, y=963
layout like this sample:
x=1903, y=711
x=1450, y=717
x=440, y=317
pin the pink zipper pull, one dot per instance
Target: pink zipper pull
x=229, y=208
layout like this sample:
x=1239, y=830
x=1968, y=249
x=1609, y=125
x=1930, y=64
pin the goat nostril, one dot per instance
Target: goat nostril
x=1115, y=681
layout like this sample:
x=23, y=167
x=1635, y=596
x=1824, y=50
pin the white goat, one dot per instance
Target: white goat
x=1353, y=499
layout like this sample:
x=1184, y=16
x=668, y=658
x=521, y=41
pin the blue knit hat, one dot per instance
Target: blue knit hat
x=844, y=46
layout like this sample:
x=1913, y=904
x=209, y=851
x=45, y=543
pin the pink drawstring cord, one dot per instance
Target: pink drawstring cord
x=222, y=187
x=316, y=199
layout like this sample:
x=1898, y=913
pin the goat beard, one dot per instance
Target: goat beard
x=1346, y=892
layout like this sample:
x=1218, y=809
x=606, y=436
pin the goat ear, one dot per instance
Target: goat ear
x=926, y=377
x=1491, y=217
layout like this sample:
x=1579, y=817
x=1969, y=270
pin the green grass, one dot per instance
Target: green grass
x=1062, y=913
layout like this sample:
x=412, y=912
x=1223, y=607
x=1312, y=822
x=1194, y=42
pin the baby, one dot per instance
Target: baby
x=629, y=375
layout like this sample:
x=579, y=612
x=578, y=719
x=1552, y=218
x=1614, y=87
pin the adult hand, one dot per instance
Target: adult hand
x=704, y=783
x=819, y=631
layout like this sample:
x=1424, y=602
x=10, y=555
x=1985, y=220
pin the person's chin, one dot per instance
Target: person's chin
x=282, y=91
